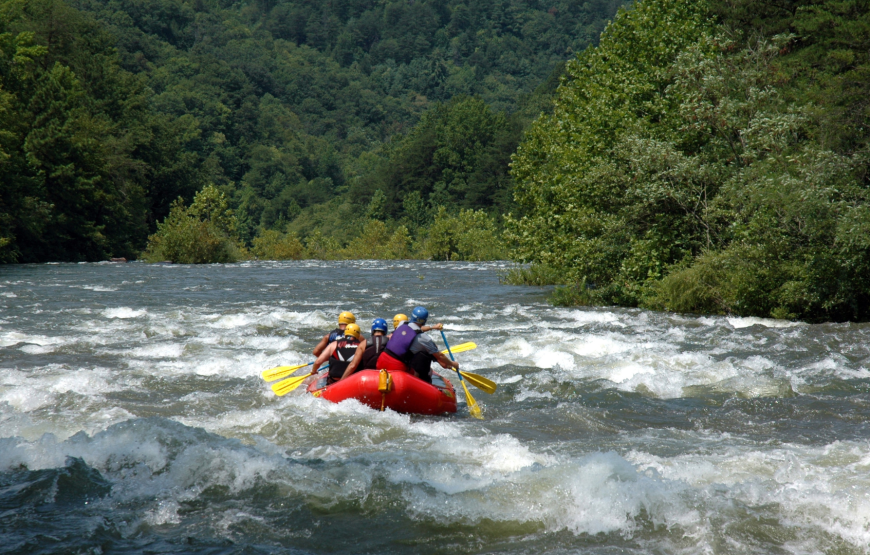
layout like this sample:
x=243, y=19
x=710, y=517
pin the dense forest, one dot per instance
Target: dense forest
x=700, y=156
x=301, y=113
x=708, y=157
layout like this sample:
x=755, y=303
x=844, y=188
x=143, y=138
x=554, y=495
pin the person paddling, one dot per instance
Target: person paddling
x=366, y=357
x=344, y=319
x=408, y=340
x=375, y=347
x=340, y=353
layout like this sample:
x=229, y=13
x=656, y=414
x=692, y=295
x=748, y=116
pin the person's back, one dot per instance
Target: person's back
x=373, y=351
x=422, y=353
x=374, y=346
x=395, y=355
x=409, y=347
x=343, y=353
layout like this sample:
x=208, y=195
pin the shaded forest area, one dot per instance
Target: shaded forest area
x=707, y=157
x=309, y=117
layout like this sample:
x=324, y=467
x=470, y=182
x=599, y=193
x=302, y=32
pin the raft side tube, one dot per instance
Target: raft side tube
x=408, y=393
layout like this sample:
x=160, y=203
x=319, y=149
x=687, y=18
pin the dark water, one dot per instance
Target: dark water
x=133, y=420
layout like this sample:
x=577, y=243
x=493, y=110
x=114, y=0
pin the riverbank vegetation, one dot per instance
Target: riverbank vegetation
x=207, y=231
x=708, y=157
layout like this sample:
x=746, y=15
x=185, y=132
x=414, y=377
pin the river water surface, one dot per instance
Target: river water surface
x=133, y=420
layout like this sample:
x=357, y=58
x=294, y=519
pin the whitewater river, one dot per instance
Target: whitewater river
x=133, y=419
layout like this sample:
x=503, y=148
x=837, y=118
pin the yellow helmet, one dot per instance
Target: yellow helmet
x=352, y=329
x=346, y=318
x=398, y=319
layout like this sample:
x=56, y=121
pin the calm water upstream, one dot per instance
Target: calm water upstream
x=133, y=420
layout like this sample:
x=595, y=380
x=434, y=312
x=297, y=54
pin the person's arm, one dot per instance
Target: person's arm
x=425, y=343
x=432, y=327
x=357, y=360
x=323, y=357
x=444, y=361
x=320, y=346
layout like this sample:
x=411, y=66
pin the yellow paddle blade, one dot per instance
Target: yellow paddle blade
x=473, y=409
x=484, y=384
x=279, y=372
x=288, y=385
x=461, y=348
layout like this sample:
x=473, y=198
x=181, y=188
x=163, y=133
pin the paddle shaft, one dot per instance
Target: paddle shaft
x=444, y=337
x=473, y=409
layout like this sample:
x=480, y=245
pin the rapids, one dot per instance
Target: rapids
x=133, y=420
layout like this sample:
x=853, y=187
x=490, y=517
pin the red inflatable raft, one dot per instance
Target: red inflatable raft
x=398, y=391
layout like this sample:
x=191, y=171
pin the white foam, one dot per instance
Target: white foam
x=813, y=488
x=100, y=288
x=14, y=337
x=166, y=350
x=36, y=349
x=738, y=323
x=124, y=312
x=592, y=317
x=166, y=512
x=454, y=470
x=531, y=394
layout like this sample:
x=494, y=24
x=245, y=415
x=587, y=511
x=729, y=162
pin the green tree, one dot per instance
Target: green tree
x=688, y=166
x=570, y=174
x=468, y=235
x=272, y=245
x=203, y=233
x=457, y=155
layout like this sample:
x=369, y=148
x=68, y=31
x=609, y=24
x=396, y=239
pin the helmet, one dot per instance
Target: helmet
x=420, y=315
x=379, y=325
x=398, y=319
x=353, y=330
x=346, y=318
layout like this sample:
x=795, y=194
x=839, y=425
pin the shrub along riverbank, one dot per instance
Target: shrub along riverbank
x=207, y=232
x=707, y=157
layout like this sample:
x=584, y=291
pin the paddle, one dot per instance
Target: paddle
x=288, y=385
x=279, y=372
x=484, y=384
x=473, y=409
x=462, y=347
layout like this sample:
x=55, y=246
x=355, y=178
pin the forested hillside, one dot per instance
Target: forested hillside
x=294, y=110
x=708, y=157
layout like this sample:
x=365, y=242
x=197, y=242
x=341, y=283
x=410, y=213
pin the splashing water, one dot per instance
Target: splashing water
x=133, y=418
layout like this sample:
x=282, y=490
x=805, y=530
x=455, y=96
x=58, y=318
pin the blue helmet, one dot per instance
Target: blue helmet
x=420, y=315
x=379, y=325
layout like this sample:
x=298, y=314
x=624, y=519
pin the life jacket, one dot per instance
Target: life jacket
x=374, y=349
x=335, y=335
x=342, y=357
x=399, y=345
